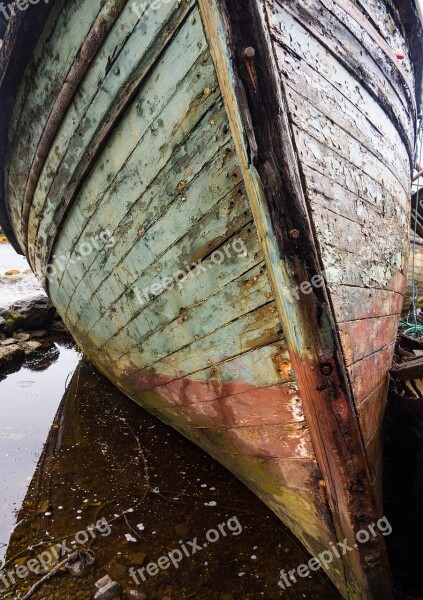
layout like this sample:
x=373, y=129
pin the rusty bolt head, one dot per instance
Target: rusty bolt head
x=326, y=369
x=294, y=234
x=249, y=53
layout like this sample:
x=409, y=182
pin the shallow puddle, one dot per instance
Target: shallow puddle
x=28, y=403
x=150, y=492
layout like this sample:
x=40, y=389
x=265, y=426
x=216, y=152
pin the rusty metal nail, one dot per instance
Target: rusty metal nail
x=249, y=53
x=326, y=369
x=294, y=233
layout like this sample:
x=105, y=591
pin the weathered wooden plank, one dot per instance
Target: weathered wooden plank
x=353, y=303
x=215, y=221
x=316, y=155
x=371, y=411
x=323, y=128
x=72, y=187
x=328, y=82
x=347, y=245
x=412, y=369
x=148, y=47
x=333, y=36
x=250, y=331
x=275, y=441
x=365, y=336
x=327, y=193
x=275, y=406
x=94, y=92
x=235, y=300
x=256, y=369
x=363, y=269
x=168, y=305
x=138, y=219
x=370, y=373
x=67, y=36
x=363, y=175
x=86, y=54
x=328, y=100
x=385, y=18
x=383, y=54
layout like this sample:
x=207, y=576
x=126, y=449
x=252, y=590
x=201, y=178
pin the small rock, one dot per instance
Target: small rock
x=77, y=569
x=10, y=353
x=80, y=564
x=116, y=570
x=30, y=347
x=21, y=337
x=136, y=595
x=102, y=582
x=30, y=313
x=8, y=342
x=110, y=591
x=138, y=558
x=12, y=272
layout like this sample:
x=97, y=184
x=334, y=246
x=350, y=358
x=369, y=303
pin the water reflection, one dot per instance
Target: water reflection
x=106, y=458
x=28, y=402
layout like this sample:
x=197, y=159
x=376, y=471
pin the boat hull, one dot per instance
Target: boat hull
x=217, y=201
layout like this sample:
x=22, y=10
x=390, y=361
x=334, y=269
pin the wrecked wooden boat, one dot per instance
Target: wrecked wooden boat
x=216, y=196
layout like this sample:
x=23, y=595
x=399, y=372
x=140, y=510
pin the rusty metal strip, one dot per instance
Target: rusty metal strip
x=238, y=34
x=86, y=55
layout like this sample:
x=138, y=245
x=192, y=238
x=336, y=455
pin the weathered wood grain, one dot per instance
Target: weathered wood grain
x=159, y=38
x=372, y=74
x=370, y=372
x=365, y=336
x=353, y=303
x=316, y=72
x=73, y=26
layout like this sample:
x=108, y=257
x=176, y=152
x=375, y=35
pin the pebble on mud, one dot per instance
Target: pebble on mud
x=110, y=591
x=102, y=582
x=138, y=558
x=136, y=595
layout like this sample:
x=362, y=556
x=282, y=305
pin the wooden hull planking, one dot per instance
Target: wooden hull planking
x=280, y=135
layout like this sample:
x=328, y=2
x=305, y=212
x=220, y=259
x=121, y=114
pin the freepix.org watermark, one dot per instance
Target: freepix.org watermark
x=60, y=263
x=9, y=11
x=191, y=271
x=186, y=550
x=140, y=8
x=324, y=559
x=55, y=552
